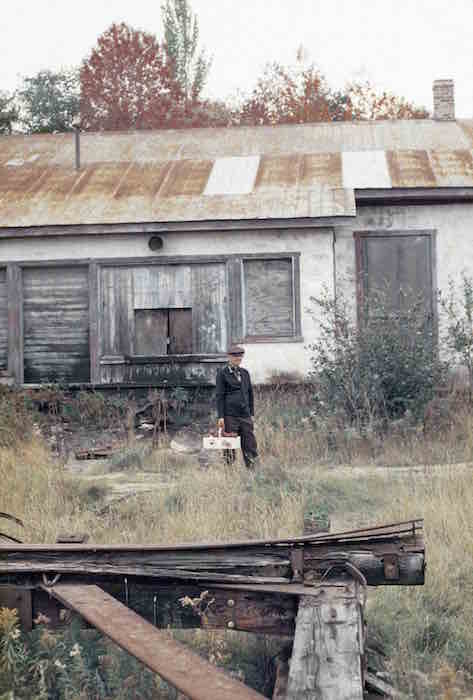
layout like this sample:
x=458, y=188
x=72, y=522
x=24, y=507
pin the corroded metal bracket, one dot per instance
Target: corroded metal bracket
x=391, y=567
x=297, y=564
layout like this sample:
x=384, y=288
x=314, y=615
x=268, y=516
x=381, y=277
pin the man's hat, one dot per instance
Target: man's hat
x=236, y=350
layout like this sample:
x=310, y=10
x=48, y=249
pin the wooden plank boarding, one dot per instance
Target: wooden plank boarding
x=184, y=669
x=326, y=662
x=15, y=322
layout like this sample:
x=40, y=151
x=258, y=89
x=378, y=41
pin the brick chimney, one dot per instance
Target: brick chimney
x=444, y=100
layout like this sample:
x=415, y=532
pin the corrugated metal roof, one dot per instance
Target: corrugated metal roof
x=292, y=171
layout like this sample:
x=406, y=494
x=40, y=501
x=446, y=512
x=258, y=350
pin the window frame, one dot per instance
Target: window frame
x=360, y=236
x=296, y=336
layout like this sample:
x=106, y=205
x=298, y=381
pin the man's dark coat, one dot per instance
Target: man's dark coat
x=234, y=397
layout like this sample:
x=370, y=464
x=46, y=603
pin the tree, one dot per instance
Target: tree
x=8, y=113
x=127, y=83
x=181, y=35
x=292, y=95
x=48, y=101
x=300, y=94
x=367, y=103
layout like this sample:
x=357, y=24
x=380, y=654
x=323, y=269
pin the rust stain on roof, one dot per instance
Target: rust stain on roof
x=410, y=169
x=278, y=171
x=143, y=180
x=220, y=174
x=186, y=177
x=322, y=168
x=453, y=168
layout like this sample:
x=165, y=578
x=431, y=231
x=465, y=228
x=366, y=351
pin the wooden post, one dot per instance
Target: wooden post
x=326, y=661
x=15, y=323
x=94, y=323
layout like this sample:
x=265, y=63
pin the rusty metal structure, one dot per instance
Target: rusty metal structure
x=268, y=586
x=229, y=174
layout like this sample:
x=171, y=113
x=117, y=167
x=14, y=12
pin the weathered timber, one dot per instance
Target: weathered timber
x=95, y=321
x=245, y=564
x=3, y=319
x=56, y=324
x=382, y=688
x=282, y=673
x=410, y=566
x=177, y=664
x=326, y=662
x=15, y=322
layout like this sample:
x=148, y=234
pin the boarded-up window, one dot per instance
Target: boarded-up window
x=56, y=324
x=268, y=298
x=3, y=320
x=397, y=266
x=163, y=331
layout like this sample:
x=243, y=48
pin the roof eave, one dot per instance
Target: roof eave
x=147, y=228
x=414, y=195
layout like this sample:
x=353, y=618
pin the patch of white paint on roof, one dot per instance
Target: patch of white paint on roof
x=33, y=158
x=233, y=175
x=15, y=162
x=365, y=169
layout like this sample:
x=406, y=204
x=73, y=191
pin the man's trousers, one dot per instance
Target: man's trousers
x=244, y=428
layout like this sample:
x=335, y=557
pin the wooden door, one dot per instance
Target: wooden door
x=151, y=331
x=180, y=331
x=56, y=324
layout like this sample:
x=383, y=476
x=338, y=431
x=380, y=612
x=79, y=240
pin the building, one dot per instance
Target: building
x=145, y=260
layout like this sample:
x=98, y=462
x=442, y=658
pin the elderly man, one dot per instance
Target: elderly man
x=235, y=406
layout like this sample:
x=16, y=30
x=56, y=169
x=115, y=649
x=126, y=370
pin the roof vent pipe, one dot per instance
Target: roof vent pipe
x=444, y=100
x=76, y=125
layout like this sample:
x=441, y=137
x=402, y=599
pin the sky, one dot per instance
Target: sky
x=399, y=45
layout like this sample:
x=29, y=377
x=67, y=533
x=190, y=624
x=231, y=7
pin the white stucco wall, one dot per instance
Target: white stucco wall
x=453, y=224
x=262, y=359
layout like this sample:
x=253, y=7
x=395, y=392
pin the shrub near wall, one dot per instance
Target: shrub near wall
x=376, y=368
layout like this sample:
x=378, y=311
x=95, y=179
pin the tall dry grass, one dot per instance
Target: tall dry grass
x=427, y=631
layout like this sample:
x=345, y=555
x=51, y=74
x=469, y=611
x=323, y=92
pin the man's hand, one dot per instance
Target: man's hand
x=221, y=423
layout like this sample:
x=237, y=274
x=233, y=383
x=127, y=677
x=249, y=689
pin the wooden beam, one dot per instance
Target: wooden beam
x=245, y=565
x=185, y=670
x=94, y=323
x=15, y=322
x=144, y=229
x=326, y=662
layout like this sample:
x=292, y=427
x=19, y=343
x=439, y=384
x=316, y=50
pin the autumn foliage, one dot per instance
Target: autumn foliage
x=300, y=94
x=127, y=83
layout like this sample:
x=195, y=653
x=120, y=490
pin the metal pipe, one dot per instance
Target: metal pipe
x=77, y=142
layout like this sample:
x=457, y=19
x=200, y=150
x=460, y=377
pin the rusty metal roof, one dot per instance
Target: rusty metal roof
x=284, y=172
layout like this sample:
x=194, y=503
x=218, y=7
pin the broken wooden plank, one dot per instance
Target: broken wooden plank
x=382, y=688
x=326, y=660
x=184, y=669
x=249, y=565
x=95, y=452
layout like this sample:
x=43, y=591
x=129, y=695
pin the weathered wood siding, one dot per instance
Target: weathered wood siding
x=269, y=303
x=201, y=288
x=3, y=320
x=56, y=324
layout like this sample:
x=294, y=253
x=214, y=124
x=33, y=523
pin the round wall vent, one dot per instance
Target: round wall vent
x=155, y=243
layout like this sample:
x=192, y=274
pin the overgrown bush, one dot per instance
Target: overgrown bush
x=377, y=367
x=16, y=418
x=457, y=309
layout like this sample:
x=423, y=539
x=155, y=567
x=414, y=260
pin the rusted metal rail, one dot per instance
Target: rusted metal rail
x=185, y=670
x=253, y=585
x=388, y=555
